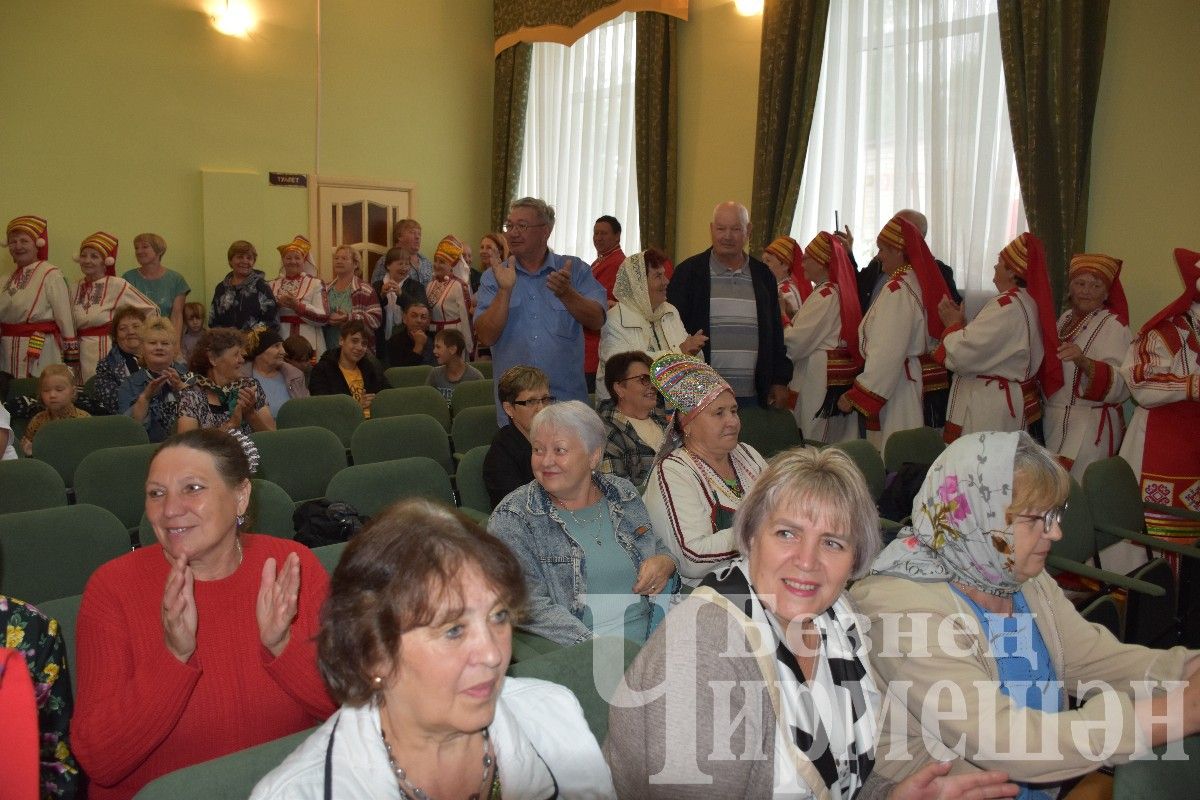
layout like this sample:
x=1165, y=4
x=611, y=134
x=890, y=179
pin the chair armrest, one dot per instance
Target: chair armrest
x=1153, y=542
x=1104, y=576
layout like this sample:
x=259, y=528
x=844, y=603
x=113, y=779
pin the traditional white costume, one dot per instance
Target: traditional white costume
x=93, y=304
x=36, y=325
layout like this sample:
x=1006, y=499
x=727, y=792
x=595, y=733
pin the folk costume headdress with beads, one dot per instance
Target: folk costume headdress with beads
x=106, y=245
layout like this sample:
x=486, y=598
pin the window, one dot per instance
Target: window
x=911, y=113
x=579, y=150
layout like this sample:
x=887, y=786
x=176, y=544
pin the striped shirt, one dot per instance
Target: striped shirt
x=733, y=317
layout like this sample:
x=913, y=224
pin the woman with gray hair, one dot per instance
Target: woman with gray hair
x=590, y=558
x=777, y=625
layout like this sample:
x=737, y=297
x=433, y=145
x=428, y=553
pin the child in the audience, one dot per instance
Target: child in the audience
x=299, y=352
x=448, y=348
x=193, y=326
x=56, y=387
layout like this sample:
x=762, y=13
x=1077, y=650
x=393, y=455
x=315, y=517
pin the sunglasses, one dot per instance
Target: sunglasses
x=536, y=401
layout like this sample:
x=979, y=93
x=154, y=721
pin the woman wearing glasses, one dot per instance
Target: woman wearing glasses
x=987, y=632
x=523, y=392
x=634, y=425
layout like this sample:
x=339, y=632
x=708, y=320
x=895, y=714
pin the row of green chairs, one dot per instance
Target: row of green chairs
x=417, y=375
x=342, y=415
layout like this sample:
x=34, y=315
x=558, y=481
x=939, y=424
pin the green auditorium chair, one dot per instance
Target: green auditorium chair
x=52, y=552
x=63, y=443
x=27, y=484
x=470, y=394
x=400, y=377
x=370, y=488
x=411, y=400
x=300, y=460
x=473, y=427
x=389, y=438
x=485, y=368
x=472, y=492
x=115, y=478
x=769, y=430
x=339, y=413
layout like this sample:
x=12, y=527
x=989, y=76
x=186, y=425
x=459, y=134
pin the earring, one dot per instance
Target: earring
x=377, y=681
x=241, y=520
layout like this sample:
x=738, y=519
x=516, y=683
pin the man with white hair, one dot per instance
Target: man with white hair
x=872, y=278
x=532, y=308
x=732, y=297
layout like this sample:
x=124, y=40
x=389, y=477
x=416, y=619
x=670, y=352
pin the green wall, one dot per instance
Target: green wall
x=135, y=115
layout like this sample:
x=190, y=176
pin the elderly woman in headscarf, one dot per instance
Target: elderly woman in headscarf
x=987, y=632
x=449, y=295
x=643, y=320
x=896, y=336
x=784, y=258
x=703, y=472
x=822, y=342
x=300, y=295
x=1083, y=419
x=1008, y=350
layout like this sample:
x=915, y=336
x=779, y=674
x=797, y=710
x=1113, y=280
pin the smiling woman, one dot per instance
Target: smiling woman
x=202, y=644
x=415, y=640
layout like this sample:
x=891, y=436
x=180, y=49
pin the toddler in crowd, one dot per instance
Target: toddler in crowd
x=56, y=388
x=448, y=348
x=193, y=327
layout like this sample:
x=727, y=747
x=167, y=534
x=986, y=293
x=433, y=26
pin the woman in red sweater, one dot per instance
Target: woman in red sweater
x=201, y=645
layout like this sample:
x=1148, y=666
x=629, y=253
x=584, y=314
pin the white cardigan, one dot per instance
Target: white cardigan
x=626, y=330
x=539, y=733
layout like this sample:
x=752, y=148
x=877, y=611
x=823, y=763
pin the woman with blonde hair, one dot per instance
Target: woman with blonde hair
x=349, y=297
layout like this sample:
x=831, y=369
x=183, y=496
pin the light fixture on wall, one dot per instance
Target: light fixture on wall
x=748, y=8
x=233, y=18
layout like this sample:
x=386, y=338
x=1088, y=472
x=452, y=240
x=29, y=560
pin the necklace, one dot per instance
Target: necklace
x=585, y=521
x=487, y=790
x=1073, y=324
x=733, y=485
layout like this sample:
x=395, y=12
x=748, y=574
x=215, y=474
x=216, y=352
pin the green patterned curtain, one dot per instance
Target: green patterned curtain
x=793, y=43
x=510, y=96
x=1052, y=51
x=656, y=128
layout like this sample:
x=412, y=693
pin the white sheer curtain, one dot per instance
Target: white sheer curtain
x=911, y=113
x=579, y=154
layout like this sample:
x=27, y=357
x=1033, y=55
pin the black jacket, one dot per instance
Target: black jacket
x=399, y=350
x=868, y=276
x=411, y=291
x=327, y=378
x=507, y=464
x=690, y=292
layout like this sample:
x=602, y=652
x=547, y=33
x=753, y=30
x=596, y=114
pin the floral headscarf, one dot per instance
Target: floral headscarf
x=958, y=532
x=632, y=289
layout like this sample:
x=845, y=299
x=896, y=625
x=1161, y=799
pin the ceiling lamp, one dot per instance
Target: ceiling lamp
x=234, y=18
x=748, y=8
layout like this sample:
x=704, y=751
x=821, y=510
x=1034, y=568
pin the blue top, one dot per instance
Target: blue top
x=540, y=331
x=612, y=610
x=276, y=389
x=164, y=406
x=1023, y=662
x=162, y=291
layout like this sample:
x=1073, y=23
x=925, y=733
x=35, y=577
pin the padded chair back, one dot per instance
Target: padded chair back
x=1157, y=778
x=27, y=484
x=66, y=611
x=578, y=667
x=473, y=427
x=329, y=555
x=868, y=461
x=1114, y=496
x=472, y=492
x=470, y=394
x=52, y=553
x=411, y=400
x=270, y=510
x=300, y=460
x=115, y=479
x=370, y=488
x=230, y=777
x=339, y=413
x=399, y=377
x=389, y=438
x=1078, y=542
x=485, y=369
x=916, y=446
x=769, y=430
x=63, y=443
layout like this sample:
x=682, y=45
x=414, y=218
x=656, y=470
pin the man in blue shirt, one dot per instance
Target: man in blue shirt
x=532, y=308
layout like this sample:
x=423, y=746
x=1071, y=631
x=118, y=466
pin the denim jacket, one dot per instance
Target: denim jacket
x=552, y=560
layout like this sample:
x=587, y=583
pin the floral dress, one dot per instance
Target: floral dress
x=40, y=641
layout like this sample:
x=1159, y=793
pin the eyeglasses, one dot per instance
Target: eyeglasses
x=521, y=227
x=1050, y=518
x=643, y=380
x=536, y=401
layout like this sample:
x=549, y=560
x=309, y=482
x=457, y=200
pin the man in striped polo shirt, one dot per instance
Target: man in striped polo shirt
x=731, y=296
